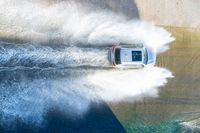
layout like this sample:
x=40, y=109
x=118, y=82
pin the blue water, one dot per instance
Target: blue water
x=40, y=91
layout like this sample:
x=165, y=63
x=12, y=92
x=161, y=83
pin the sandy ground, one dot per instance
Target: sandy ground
x=179, y=13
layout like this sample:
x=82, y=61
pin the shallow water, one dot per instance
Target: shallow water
x=179, y=101
x=54, y=64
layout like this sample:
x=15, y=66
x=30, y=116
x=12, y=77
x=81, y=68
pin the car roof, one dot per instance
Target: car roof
x=126, y=56
x=125, y=47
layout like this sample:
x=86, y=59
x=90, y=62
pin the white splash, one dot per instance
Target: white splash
x=72, y=25
x=129, y=85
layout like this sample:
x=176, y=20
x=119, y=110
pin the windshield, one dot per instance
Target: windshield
x=145, y=56
x=117, y=56
x=151, y=56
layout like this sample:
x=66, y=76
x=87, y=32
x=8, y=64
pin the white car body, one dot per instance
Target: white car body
x=132, y=56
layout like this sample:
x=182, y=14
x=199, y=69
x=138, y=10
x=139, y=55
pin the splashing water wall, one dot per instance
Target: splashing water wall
x=65, y=46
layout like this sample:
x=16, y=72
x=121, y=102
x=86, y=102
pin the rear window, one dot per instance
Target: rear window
x=136, y=55
x=117, y=56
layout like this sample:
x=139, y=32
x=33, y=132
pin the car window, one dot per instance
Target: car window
x=117, y=56
x=145, y=56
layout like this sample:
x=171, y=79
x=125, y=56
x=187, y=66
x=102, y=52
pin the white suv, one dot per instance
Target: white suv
x=133, y=56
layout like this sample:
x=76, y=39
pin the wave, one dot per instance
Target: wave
x=39, y=39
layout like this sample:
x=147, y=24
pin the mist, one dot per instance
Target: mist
x=66, y=35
